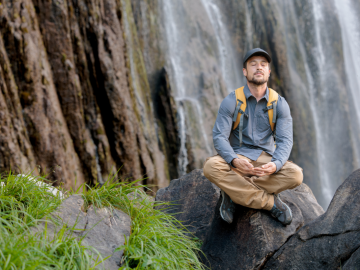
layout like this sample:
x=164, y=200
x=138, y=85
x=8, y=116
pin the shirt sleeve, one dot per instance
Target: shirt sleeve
x=222, y=128
x=284, y=134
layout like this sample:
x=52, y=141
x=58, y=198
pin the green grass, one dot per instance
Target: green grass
x=22, y=204
x=157, y=240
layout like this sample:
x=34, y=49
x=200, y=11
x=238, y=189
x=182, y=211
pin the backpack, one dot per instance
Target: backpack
x=238, y=118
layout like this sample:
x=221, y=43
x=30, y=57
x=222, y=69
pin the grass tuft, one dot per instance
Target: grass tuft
x=157, y=240
x=22, y=204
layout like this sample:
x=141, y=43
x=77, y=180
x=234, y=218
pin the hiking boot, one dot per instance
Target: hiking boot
x=281, y=211
x=227, y=208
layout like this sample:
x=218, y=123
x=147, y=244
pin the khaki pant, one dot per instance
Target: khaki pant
x=252, y=191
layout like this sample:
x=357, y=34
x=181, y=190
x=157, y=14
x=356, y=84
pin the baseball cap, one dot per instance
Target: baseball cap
x=256, y=51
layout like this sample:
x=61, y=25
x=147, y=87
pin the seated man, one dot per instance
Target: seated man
x=250, y=169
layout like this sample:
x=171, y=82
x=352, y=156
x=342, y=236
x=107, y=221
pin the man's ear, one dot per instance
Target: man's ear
x=245, y=72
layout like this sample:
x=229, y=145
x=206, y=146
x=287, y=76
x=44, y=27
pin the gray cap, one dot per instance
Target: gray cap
x=256, y=51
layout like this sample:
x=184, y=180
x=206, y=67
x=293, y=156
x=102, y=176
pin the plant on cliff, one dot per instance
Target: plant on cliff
x=157, y=240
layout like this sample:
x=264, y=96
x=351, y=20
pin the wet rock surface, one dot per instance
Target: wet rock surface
x=330, y=241
x=100, y=228
x=252, y=238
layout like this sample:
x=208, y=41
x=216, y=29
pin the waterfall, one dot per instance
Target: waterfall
x=204, y=66
x=229, y=63
x=318, y=53
x=312, y=96
x=350, y=33
x=181, y=81
x=214, y=58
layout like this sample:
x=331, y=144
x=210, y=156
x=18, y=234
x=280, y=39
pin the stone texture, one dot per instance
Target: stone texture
x=194, y=200
x=78, y=104
x=331, y=239
x=102, y=229
x=89, y=87
x=353, y=262
x=40, y=109
x=251, y=239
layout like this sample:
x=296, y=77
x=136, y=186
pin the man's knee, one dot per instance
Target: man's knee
x=209, y=167
x=213, y=166
x=296, y=175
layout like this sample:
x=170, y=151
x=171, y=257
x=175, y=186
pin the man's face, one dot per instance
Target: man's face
x=257, y=70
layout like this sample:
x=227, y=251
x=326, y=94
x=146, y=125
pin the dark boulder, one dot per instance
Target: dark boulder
x=254, y=235
x=331, y=241
x=194, y=200
x=353, y=262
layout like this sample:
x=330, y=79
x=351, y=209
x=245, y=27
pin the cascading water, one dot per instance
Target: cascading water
x=176, y=42
x=318, y=52
x=204, y=66
x=228, y=62
x=313, y=101
x=350, y=33
x=191, y=101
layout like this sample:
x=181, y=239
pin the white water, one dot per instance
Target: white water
x=314, y=101
x=350, y=33
x=315, y=49
x=177, y=44
x=312, y=97
x=183, y=156
x=228, y=60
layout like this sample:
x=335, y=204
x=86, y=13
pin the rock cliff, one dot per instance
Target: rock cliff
x=75, y=99
x=314, y=240
x=89, y=87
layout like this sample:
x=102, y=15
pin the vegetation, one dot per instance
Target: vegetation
x=157, y=240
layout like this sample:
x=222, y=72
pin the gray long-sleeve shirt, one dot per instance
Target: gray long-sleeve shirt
x=257, y=133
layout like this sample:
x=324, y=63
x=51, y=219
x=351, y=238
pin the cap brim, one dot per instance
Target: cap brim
x=268, y=58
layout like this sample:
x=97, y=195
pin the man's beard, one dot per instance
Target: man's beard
x=257, y=82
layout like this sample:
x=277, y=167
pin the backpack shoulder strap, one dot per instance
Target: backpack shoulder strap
x=240, y=106
x=272, y=103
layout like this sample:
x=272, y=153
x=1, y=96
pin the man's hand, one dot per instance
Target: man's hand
x=244, y=166
x=266, y=169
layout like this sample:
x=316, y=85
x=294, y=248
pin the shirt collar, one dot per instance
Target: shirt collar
x=248, y=93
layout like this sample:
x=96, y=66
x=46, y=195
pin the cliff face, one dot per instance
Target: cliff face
x=89, y=87
x=75, y=99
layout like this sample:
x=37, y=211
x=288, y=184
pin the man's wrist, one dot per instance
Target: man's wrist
x=232, y=164
x=278, y=165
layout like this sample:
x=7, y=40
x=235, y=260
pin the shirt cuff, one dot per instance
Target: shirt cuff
x=278, y=165
x=230, y=157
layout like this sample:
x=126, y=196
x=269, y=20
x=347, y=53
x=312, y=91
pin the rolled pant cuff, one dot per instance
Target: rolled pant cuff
x=270, y=203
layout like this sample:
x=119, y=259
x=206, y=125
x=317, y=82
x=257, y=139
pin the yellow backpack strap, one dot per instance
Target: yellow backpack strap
x=238, y=118
x=271, y=107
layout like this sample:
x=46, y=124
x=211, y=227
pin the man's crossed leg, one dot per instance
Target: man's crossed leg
x=253, y=191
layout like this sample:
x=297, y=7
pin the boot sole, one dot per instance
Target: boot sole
x=222, y=201
x=288, y=223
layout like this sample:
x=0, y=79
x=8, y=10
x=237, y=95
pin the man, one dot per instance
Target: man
x=249, y=169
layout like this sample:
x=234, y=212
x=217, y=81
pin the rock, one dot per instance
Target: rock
x=100, y=228
x=330, y=241
x=194, y=199
x=254, y=235
x=353, y=262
